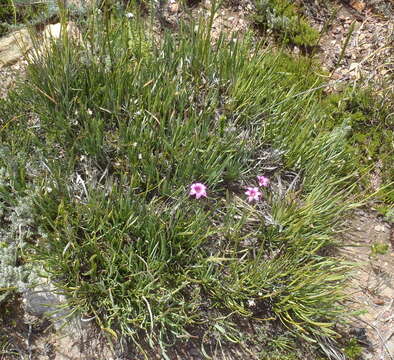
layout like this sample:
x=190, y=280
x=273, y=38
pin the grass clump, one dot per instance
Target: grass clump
x=118, y=127
x=282, y=19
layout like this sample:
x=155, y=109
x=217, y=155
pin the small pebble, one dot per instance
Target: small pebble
x=380, y=228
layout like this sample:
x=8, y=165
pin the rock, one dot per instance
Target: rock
x=378, y=300
x=353, y=66
x=14, y=46
x=357, y=5
x=380, y=228
x=387, y=292
x=73, y=338
x=367, y=355
x=173, y=7
x=44, y=302
x=359, y=333
x=81, y=340
x=54, y=31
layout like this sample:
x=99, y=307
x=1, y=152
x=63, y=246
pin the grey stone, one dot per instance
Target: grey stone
x=14, y=46
x=39, y=303
x=44, y=302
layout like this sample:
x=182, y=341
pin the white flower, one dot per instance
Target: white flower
x=129, y=15
x=251, y=303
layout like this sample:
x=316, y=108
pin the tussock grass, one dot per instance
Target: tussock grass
x=108, y=136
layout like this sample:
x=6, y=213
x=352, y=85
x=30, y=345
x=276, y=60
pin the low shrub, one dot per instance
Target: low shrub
x=281, y=18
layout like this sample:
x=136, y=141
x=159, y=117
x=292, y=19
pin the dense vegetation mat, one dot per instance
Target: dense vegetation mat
x=138, y=159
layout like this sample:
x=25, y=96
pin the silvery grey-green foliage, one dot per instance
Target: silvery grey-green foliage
x=12, y=276
x=19, y=13
x=389, y=217
x=15, y=228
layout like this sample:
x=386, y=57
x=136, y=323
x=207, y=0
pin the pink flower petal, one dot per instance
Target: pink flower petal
x=263, y=181
x=198, y=190
x=253, y=193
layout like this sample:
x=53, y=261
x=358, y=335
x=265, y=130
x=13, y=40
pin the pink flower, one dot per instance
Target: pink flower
x=198, y=190
x=263, y=181
x=253, y=194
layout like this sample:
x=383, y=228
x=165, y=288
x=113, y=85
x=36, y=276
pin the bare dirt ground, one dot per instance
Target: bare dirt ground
x=372, y=283
x=367, y=29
